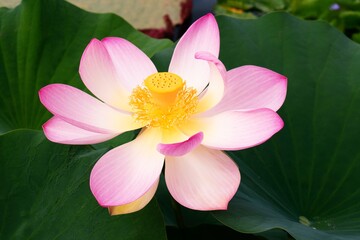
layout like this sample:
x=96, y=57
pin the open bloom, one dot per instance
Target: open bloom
x=187, y=115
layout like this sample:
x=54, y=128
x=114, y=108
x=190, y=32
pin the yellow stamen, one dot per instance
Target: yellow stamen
x=164, y=101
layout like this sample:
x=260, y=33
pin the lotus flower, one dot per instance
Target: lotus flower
x=187, y=115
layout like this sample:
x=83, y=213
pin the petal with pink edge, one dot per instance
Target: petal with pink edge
x=203, y=179
x=203, y=35
x=131, y=64
x=99, y=75
x=215, y=90
x=84, y=111
x=127, y=172
x=59, y=131
x=136, y=205
x=181, y=148
x=251, y=87
x=236, y=130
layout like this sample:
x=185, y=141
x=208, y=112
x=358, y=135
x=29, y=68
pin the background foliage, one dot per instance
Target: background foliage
x=342, y=14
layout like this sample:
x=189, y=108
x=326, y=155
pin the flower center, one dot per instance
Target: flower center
x=164, y=101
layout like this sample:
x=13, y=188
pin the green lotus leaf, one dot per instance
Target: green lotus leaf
x=45, y=194
x=306, y=179
x=41, y=42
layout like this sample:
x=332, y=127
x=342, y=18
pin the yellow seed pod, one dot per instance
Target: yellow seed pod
x=164, y=86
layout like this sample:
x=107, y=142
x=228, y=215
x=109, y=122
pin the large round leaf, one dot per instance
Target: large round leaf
x=41, y=42
x=306, y=179
x=45, y=194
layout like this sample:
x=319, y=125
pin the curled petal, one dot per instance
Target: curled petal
x=131, y=64
x=203, y=179
x=252, y=87
x=181, y=148
x=236, y=130
x=136, y=205
x=207, y=56
x=215, y=90
x=59, y=131
x=84, y=111
x=99, y=75
x=203, y=35
x=127, y=172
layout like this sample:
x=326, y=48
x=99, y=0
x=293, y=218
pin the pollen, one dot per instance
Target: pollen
x=163, y=101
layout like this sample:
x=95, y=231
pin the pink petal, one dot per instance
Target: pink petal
x=181, y=148
x=127, y=172
x=59, y=131
x=215, y=91
x=204, y=179
x=131, y=64
x=251, y=87
x=203, y=35
x=136, y=205
x=235, y=130
x=84, y=111
x=99, y=75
